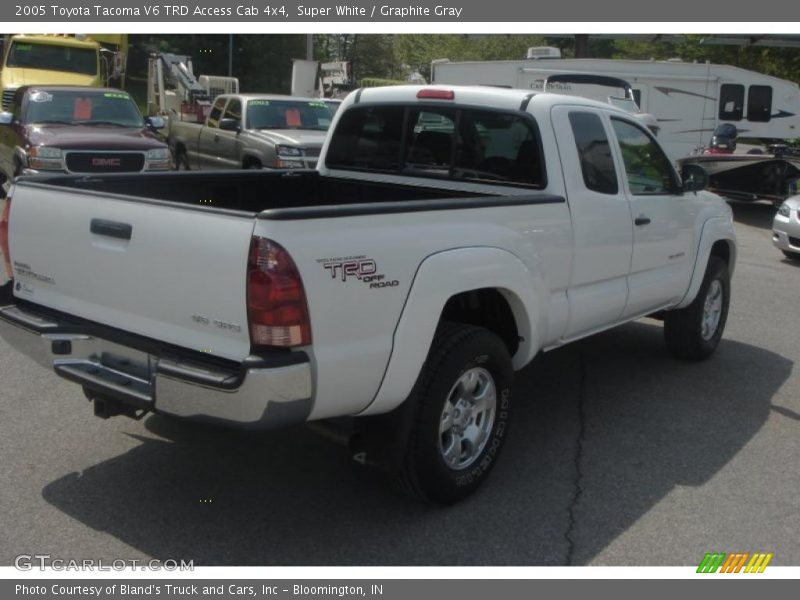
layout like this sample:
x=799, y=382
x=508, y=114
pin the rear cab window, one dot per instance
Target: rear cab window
x=456, y=143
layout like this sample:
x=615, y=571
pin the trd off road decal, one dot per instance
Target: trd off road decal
x=357, y=268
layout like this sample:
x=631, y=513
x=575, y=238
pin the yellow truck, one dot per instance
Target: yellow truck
x=91, y=59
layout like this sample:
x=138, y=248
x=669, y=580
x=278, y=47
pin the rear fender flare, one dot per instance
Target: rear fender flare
x=440, y=277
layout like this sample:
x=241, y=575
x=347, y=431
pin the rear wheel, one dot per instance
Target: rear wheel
x=460, y=410
x=694, y=332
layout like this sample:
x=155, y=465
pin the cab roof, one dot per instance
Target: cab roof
x=56, y=40
x=69, y=88
x=476, y=95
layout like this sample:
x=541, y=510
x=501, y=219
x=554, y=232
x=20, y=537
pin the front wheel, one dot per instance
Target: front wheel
x=461, y=405
x=694, y=332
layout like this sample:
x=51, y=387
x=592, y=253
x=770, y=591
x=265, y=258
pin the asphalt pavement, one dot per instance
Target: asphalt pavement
x=617, y=455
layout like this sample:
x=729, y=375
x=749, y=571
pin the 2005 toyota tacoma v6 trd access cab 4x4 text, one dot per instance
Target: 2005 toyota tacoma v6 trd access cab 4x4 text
x=448, y=235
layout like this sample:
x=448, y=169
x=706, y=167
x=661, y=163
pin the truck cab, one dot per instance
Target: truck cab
x=90, y=60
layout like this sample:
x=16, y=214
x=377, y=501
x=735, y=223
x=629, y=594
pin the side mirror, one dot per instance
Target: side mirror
x=229, y=124
x=695, y=178
x=155, y=122
x=6, y=118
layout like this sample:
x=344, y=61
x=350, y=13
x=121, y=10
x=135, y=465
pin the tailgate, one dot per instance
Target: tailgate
x=169, y=272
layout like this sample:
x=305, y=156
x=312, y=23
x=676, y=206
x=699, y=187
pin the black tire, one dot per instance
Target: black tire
x=795, y=256
x=181, y=160
x=683, y=328
x=458, y=351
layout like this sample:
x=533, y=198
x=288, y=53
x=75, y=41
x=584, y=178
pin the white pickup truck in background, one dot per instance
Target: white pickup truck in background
x=448, y=236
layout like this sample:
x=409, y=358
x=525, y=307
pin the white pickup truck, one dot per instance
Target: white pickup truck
x=448, y=236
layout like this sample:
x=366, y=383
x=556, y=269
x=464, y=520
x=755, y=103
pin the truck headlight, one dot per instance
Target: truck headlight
x=784, y=210
x=45, y=158
x=158, y=159
x=288, y=151
x=289, y=157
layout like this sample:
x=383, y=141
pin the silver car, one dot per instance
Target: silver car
x=786, y=228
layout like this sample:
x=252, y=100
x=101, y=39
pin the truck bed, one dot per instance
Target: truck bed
x=249, y=192
x=165, y=256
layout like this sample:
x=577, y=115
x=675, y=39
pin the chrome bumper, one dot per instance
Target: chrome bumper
x=261, y=393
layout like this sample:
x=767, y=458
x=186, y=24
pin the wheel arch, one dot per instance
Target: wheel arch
x=249, y=160
x=461, y=285
x=717, y=238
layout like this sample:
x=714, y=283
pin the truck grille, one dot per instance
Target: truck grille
x=8, y=96
x=105, y=162
x=310, y=156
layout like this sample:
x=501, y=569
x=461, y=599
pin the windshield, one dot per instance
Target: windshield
x=288, y=114
x=333, y=105
x=53, y=58
x=84, y=107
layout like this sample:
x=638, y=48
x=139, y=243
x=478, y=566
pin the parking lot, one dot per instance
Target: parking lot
x=618, y=455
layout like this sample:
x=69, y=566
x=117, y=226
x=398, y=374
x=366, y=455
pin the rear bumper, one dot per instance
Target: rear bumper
x=260, y=393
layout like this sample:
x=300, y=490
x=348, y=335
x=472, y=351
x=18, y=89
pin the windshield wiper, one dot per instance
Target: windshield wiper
x=114, y=123
x=52, y=122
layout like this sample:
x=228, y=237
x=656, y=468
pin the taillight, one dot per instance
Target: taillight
x=436, y=94
x=277, y=310
x=4, y=246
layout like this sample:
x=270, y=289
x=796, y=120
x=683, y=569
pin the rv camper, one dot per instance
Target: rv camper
x=689, y=99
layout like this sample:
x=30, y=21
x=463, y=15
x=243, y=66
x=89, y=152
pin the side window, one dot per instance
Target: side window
x=234, y=110
x=367, y=138
x=494, y=146
x=594, y=151
x=647, y=167
x=216, y=112
x=759, y=103
x=731, y=102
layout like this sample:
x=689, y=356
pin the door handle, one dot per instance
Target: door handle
x=216, y=137
x=641, y=220
x=115, y=229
